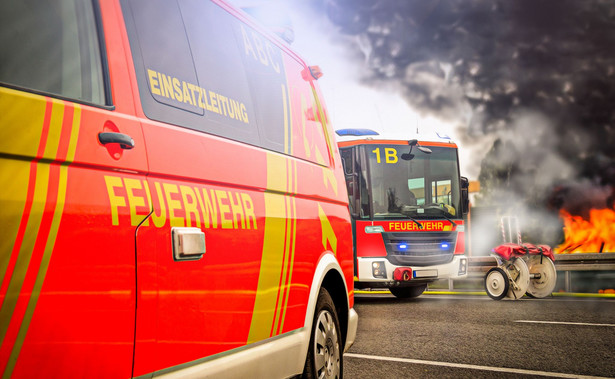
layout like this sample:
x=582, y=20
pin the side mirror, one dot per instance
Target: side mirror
x=465, y=197
x=413, y=142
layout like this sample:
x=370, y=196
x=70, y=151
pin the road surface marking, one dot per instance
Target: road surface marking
x=564, y=323
x=472, y=367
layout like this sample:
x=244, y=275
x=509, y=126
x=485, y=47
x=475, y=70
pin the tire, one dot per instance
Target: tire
x=325, y=351
x=496, y=283
x=408, y=292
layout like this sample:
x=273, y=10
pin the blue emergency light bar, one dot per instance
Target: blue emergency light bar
x=356, y=132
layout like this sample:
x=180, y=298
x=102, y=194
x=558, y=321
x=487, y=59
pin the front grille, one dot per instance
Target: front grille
x=420, y=248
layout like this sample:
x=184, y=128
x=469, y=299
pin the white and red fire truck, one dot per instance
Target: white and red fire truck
x=408, y=202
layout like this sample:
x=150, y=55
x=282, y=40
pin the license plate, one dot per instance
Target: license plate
x=426, y=274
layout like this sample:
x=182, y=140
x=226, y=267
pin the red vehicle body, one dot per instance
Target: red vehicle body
x=173, y=198
x=408, y=205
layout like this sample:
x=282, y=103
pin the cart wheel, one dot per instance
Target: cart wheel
x=521, y=276
x=543, y=286
x=496, y=283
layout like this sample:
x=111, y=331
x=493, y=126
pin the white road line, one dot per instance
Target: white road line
x=564, y=323
x=473, y=367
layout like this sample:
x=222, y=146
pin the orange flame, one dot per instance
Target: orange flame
x=594, y=236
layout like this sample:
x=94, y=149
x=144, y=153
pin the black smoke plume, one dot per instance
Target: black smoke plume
x=538, y=75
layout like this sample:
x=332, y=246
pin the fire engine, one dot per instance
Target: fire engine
x=408, y=203
x=172, y=200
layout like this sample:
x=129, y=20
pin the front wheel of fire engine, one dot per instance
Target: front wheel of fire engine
x=408, y=292
x=324, y=357
x=496, y=283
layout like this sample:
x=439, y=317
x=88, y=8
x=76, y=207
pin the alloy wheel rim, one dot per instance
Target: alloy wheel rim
x=326, y=347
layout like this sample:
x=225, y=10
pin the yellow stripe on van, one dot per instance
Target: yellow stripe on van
x=278, y=249
x=22, y=120
x=15, y=176
x=51, y=239
x=289, y=250
x=22, y=125
x=273, y=250
x=292, y=240
x=34, y=221
x=25, y=252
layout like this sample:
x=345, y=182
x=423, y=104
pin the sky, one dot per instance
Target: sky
x=352, y=104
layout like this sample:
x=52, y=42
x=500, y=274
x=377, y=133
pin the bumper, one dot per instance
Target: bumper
x=455, y=269
x=353, y=323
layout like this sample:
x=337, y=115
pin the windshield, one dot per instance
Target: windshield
x=417, y=185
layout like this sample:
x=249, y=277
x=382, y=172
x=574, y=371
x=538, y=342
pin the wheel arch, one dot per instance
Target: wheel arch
x=335, y=285
x=328, y=275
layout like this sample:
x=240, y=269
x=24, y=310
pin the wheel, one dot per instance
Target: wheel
x=543, y=286
x=496, y=283
x=408, y=292
x=520, y=275
x=324, y=357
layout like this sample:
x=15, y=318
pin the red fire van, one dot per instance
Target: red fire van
x=173, y=200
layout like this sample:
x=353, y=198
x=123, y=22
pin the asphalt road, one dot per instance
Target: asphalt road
x=443, y=336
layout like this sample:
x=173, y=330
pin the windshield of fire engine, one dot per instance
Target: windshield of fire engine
x=416, y=185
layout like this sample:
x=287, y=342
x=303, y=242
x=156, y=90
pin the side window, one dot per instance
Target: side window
x=188, y=67
x=289, y=117
x=351, y=182
x=200, y=67
x=347, y=161
x=229, y=108
x=267, y=79
x=52, y=46
x=168, y=76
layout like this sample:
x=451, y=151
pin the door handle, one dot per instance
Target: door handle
x=188, y=244
x=126, y=142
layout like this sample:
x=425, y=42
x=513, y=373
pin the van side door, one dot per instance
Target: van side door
x=72, y=158
x=206, y=184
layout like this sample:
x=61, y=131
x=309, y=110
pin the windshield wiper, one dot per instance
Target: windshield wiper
x=405, y=210
x=444, y=212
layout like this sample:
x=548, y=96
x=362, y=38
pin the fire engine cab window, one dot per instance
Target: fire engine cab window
x=189, y=69
x=419, y=185
x=51, y=46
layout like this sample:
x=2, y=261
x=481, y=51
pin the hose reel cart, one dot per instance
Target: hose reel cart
x=522, y=269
